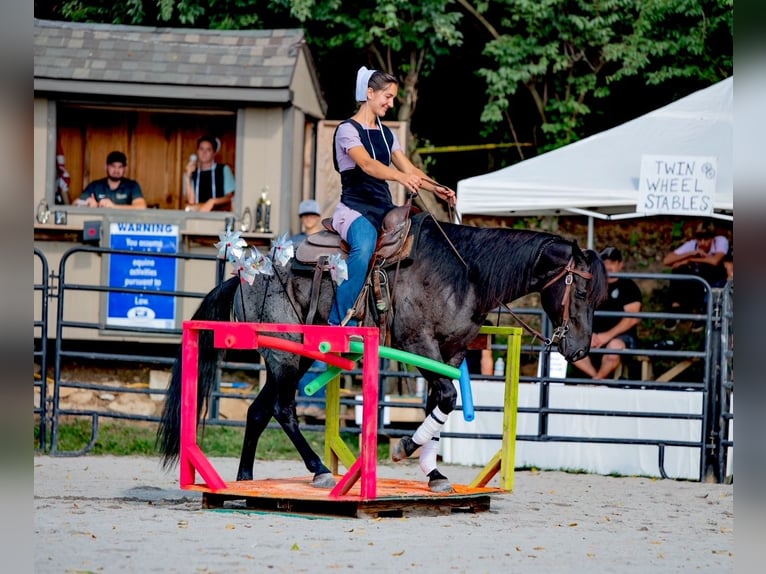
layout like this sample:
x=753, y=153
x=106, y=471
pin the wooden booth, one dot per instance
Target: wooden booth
x=150, y=93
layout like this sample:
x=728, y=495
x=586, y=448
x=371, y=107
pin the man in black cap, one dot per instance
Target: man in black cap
x=613, y=332
x=115, y=190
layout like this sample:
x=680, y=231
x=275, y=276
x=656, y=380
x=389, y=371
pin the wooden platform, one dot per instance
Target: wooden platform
x=395, y=498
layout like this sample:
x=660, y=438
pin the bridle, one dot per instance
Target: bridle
x=561, y=331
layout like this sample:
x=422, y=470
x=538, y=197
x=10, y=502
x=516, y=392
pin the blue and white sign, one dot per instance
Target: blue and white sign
x=142, y=271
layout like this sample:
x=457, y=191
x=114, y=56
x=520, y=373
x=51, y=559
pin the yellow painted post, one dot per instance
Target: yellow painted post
x=504, y=460
x=335, y=450
x=510, y=410
x=332, y=422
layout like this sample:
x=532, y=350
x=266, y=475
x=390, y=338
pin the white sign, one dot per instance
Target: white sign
x=677, y=184
x=557, y=365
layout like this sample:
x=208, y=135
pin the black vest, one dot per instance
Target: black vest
x=205, y=183
x=366, y=194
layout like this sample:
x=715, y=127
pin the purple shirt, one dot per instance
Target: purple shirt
x=347, y=138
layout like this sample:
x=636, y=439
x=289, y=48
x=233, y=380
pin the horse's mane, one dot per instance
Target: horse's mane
x=501, y=260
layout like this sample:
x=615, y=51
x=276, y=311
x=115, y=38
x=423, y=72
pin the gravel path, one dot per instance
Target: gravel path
x=125, y=514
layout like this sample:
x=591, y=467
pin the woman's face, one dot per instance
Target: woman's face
x=205, y=152
x=383, y=100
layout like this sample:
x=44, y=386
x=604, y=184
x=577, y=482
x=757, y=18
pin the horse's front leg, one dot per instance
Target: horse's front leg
x=442, y=398
x=258, y=417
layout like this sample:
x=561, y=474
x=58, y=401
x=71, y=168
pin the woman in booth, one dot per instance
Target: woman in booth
x=208, y=186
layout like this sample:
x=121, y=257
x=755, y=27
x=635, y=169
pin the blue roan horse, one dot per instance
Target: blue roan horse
x=440, y=302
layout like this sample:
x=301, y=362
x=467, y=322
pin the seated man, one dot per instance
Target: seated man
x=115, y=190
x=613, y=332
x=702, y=256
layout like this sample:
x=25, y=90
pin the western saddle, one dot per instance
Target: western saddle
x=394, y=248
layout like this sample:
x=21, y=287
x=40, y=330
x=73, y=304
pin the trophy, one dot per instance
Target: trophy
x=263, y=213
x=246, y=220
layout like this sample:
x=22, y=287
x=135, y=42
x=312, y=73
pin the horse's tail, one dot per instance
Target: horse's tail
x=216, y=306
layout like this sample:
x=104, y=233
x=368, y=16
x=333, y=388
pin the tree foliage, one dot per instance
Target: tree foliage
x=567, y=55
x=548, y=67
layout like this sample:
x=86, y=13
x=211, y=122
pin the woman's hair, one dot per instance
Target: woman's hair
x=379, y=80
x=212, y=140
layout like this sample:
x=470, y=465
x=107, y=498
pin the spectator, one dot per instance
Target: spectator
x=311, y=220
x=115, y=190
x=702, y=256
x=728, y=263
x=613, y=332
x=208, y=185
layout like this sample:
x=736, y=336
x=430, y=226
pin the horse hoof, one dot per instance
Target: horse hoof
x=440, y=485
x=324, y=480
x=403, y=449
x=437, y=482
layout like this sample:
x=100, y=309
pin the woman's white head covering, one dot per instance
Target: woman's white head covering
x=362, y=82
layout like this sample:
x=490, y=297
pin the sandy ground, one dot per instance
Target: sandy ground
x=125, y=514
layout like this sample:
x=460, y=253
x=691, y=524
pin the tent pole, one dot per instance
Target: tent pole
x=590, y=232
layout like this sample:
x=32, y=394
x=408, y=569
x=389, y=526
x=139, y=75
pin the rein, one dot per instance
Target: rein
x=450, y=213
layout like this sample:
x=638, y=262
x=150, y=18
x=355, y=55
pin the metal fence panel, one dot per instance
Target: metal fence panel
x=706, y=370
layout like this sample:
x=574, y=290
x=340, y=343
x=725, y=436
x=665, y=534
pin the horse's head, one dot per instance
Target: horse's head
x=576, y=287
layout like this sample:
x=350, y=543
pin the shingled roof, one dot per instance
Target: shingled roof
x=252, y=65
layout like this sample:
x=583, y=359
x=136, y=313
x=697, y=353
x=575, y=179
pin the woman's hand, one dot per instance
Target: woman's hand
x=411, y=182
x=207, y=206
x=446, y=194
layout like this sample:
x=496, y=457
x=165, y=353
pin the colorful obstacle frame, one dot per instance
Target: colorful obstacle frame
x=328, y=344
x=502, y=462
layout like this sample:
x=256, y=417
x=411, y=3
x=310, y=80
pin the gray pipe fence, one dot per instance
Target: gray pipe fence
x=703, y=365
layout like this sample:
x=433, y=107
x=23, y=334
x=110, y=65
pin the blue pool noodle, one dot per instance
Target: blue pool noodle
x=465, y=392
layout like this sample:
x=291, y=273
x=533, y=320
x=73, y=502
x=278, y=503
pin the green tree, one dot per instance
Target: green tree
x=554, y=68
x=569, y=55
x=398, y=36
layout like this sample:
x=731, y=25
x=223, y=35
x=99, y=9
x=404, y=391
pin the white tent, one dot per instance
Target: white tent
x=599, y=175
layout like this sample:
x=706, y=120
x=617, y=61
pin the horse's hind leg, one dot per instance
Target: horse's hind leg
x=442, y=398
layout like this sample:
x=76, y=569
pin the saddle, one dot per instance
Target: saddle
x=394, y=247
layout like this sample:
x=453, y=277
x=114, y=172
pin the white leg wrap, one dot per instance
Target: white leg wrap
x=428, y=454
x=430, y=427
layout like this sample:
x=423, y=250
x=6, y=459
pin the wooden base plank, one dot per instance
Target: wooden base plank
x=395, y=498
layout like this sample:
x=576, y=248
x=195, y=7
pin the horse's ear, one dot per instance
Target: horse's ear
x=577, y=253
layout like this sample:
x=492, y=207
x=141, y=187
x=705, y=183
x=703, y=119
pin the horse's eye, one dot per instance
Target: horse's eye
x=580, y=294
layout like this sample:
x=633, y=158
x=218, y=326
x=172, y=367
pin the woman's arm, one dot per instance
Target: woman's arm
x=402, y=162
x=378, y=170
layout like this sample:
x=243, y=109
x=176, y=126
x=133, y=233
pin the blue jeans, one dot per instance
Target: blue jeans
x=362, y=237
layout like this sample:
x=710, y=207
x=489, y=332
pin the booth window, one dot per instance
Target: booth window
x=156, y=141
